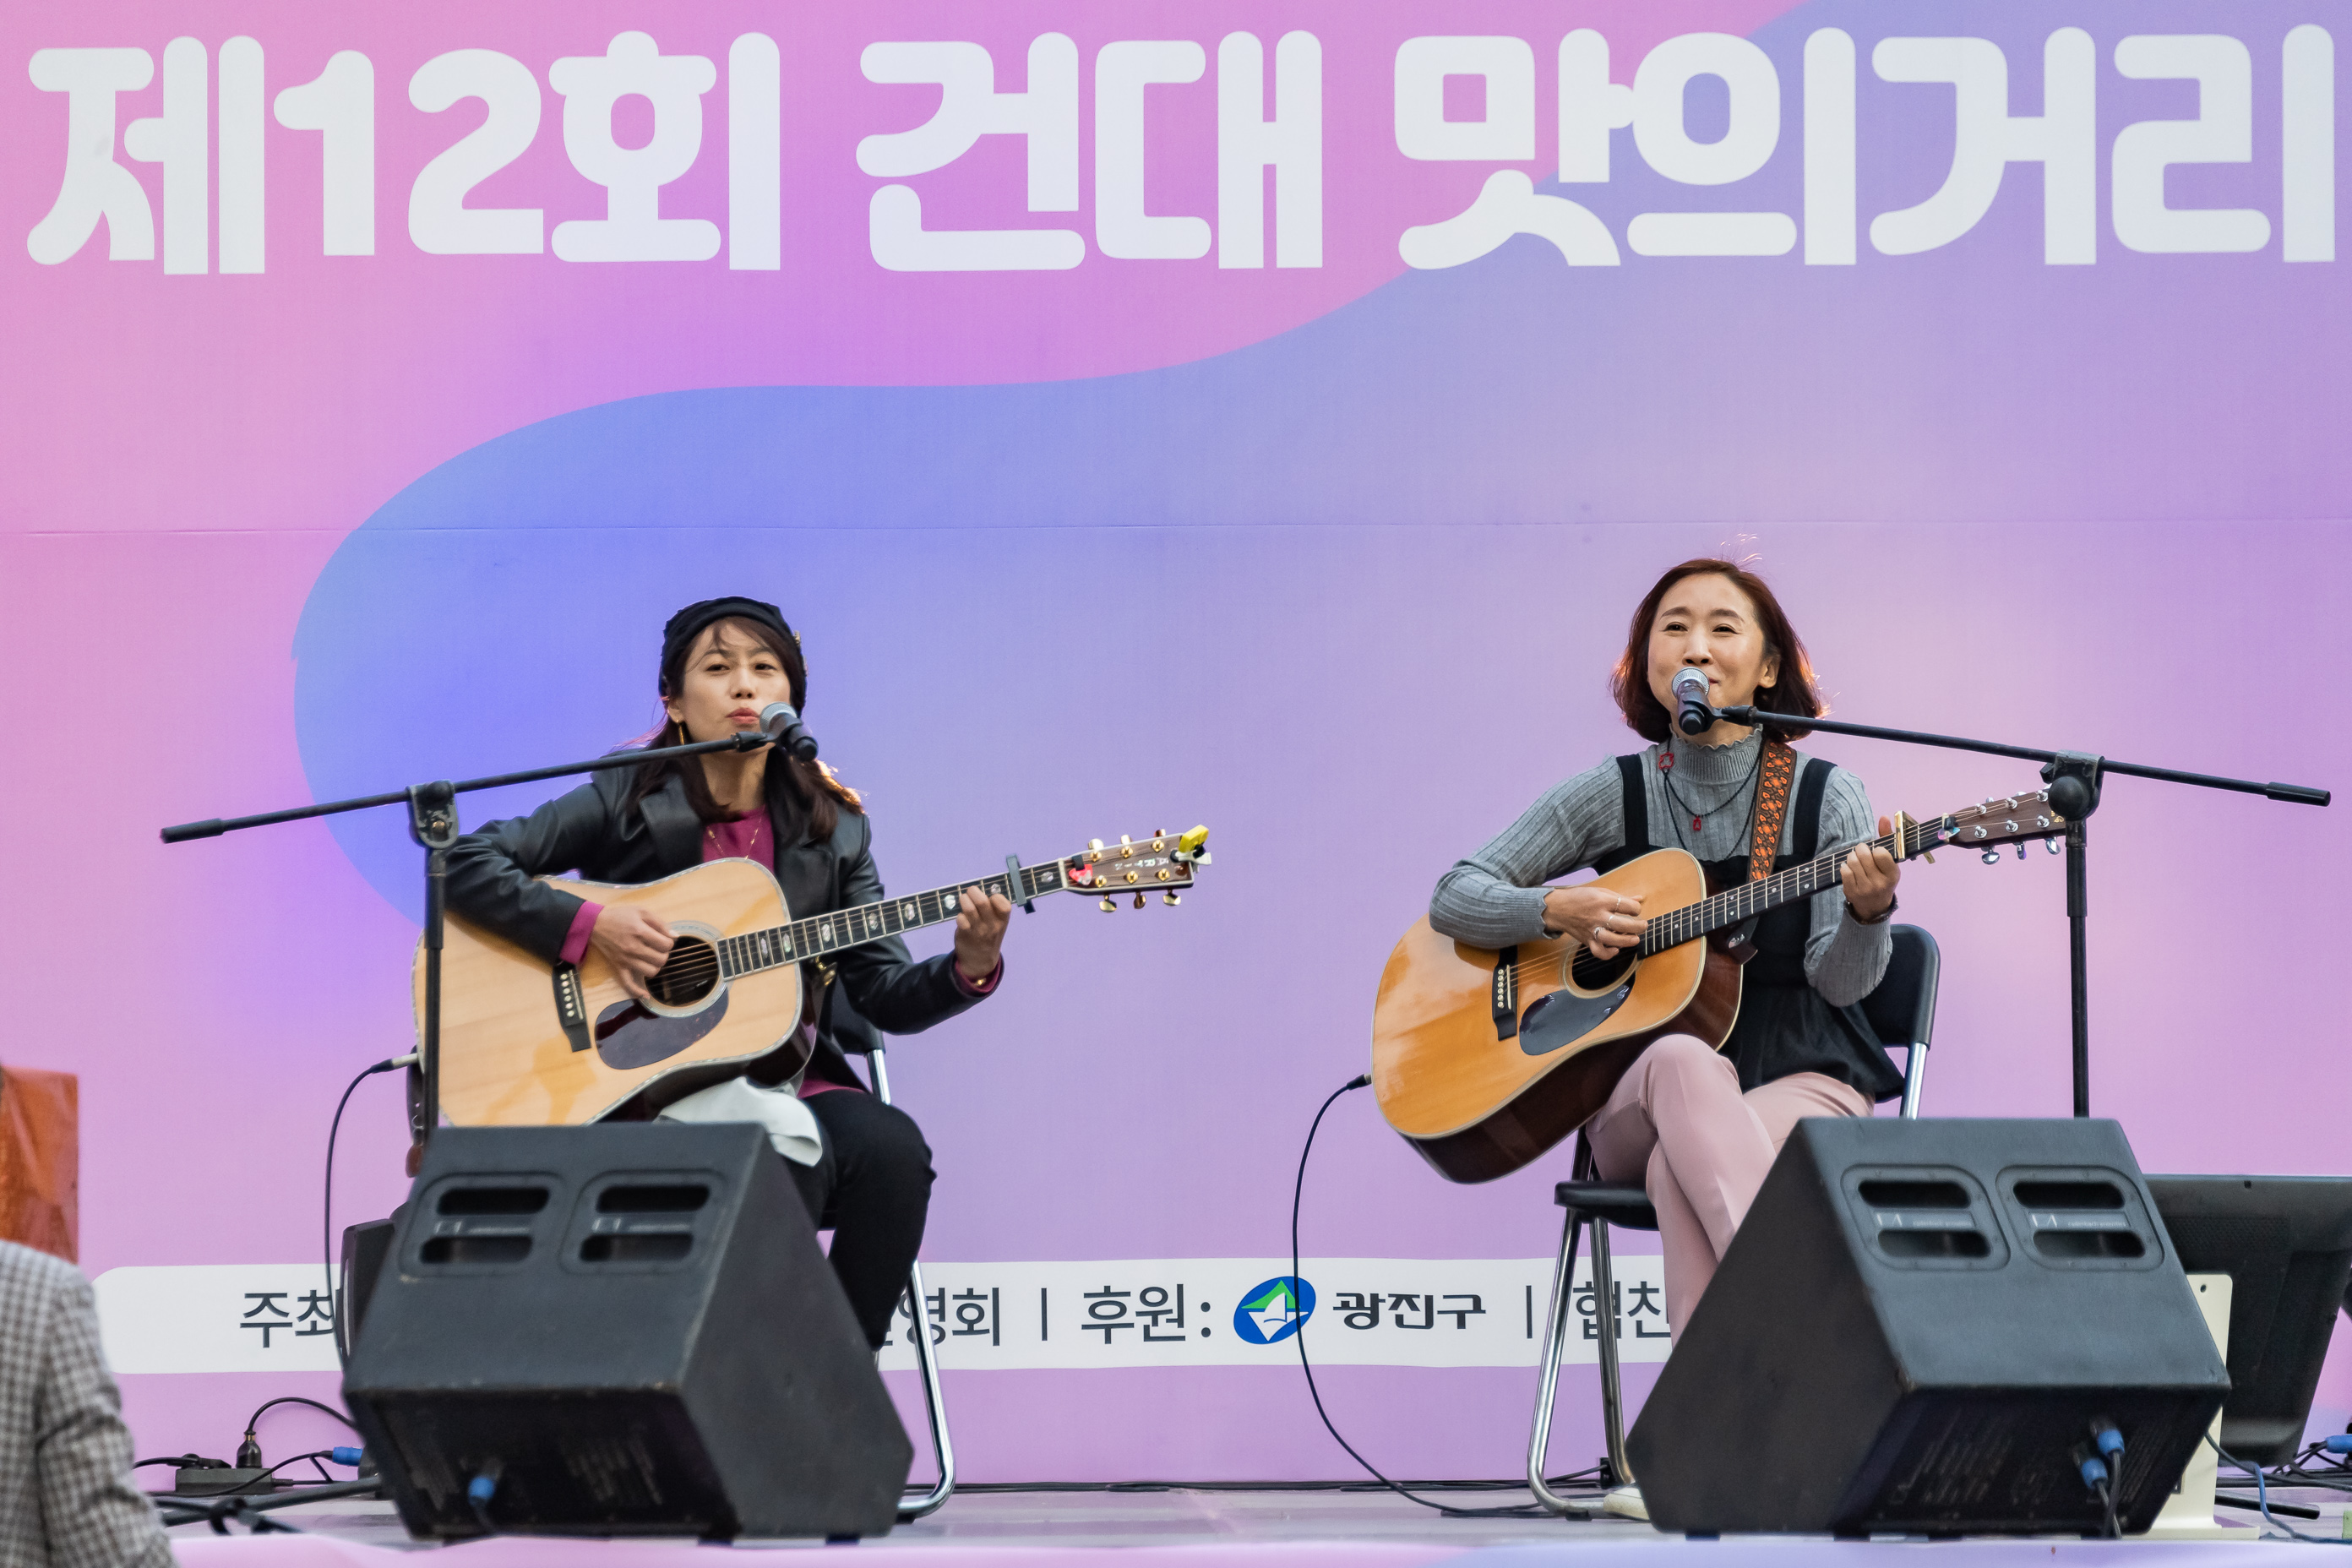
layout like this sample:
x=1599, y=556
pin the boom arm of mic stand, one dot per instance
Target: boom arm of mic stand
x=2296, y=795
x=432, y=823
x=2075, y=779
x=213, y=827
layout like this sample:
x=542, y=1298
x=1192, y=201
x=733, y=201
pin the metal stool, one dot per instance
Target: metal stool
x=1902, y=1011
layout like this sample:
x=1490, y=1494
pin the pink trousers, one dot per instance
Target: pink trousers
x=1679, y=1124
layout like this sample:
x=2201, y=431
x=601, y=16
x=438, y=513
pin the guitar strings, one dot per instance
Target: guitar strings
x=1775, y=889
x=1772, y=887
x=800, y=936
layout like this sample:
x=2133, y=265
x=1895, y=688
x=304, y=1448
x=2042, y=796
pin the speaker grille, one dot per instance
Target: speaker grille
x=1925, y=1217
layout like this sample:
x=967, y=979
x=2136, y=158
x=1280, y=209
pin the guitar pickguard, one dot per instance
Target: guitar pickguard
x=1564, y=1017
x=628, y=1035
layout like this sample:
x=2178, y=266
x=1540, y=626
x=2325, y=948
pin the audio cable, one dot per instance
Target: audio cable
x=327, y=1209
x=2262, y=1497
x=1297, y=1190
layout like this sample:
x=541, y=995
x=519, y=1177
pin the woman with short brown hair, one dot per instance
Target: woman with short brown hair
x=1700, y=1127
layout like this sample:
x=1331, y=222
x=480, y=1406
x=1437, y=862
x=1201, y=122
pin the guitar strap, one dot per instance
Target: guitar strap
x=1774, y=776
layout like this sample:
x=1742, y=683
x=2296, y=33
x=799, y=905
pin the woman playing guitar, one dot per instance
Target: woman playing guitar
x=1700, y=1129
x=862, y=1166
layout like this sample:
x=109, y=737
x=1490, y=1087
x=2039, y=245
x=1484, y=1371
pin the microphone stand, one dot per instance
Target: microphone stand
x=2075, y=779
x=433, y=823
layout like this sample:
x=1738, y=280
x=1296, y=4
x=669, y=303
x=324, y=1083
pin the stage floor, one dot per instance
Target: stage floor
x=1208, y=1529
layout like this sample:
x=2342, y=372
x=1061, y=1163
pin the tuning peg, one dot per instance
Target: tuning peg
x=1171, y=899
x=1990, y=857
x=1094, y=846
x=1138, y=901
x=2053, y=846
x=1107, y=907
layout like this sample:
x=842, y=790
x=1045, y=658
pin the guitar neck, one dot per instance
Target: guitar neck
x=817, y=935
x=1752, y=899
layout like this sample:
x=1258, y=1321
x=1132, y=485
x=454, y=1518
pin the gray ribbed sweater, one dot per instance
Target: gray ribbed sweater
x=1495, y=897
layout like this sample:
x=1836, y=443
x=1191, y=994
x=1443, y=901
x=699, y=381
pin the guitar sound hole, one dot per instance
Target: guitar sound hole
x=687, y=977
x=1592, y=973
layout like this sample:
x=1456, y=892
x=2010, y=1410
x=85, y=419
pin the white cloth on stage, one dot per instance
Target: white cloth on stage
x=792, y=1126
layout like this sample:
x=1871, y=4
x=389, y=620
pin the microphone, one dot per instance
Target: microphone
x=782, y=725
x=1692, y=715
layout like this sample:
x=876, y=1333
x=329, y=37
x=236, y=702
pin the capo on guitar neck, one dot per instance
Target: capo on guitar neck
x=1013, y=883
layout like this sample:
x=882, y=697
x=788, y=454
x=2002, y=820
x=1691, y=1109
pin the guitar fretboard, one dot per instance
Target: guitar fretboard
x=1752, y=899
x=820, y=934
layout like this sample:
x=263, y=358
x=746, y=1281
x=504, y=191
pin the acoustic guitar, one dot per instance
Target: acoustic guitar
x=527, y=1043
x=1482, y=1060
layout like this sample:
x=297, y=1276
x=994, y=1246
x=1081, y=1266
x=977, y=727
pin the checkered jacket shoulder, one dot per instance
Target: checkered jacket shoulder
x=66, y=1495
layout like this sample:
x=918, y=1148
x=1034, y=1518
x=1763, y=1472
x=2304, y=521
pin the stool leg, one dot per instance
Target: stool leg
x=935, y=1401
x=1605, y=1321
x=926, y=1359
x=1915, y=1080
x=1548, y=1386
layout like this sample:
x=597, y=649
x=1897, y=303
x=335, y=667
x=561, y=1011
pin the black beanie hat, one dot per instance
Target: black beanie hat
x=688, y=623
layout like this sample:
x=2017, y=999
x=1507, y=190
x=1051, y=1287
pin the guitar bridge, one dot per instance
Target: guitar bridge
x=570, y=1006
x=1504, y=993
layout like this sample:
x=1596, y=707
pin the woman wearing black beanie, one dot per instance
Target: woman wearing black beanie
x=862, y=1166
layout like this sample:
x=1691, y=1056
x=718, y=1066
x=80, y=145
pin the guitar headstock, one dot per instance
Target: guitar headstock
x=2004, y=819
x=1165, y=863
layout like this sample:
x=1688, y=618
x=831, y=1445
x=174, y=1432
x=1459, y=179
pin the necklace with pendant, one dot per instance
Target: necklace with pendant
x=1697, y=820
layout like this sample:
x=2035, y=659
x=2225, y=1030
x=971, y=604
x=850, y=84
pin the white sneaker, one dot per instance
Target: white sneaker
x=1626, y=1502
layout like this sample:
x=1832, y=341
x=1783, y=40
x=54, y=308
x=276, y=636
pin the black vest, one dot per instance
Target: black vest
x=1785, y=1025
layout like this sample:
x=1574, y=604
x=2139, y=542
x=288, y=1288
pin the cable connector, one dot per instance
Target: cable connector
x=478, y=1494
x=2094, y=1472
x=2341, y=1443
x=353, y=1457
x=248, y=1453
x=2109, y=1440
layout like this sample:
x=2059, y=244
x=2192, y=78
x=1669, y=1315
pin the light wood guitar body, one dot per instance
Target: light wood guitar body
x=527, y=1043
x=1484, y=1060
x=506, y=1058
x=1479, y=1105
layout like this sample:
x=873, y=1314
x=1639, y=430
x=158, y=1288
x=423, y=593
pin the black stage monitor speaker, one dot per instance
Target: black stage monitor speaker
x=1914, y=1331
x=365, y=1247
x=2285, y=1242
x=620, y=1331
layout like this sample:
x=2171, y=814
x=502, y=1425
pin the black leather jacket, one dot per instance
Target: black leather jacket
x=493, y=883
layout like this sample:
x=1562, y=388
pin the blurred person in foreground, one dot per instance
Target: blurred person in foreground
x=66, y=1495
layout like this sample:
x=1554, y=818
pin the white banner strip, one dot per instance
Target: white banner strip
x=217, y=1316
x=1235, y=1311
x=1197, y=1311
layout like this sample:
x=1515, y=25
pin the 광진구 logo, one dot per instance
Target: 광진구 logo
x=1274, y=1309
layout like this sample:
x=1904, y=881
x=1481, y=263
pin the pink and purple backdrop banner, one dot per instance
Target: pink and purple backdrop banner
x=1250, y=414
